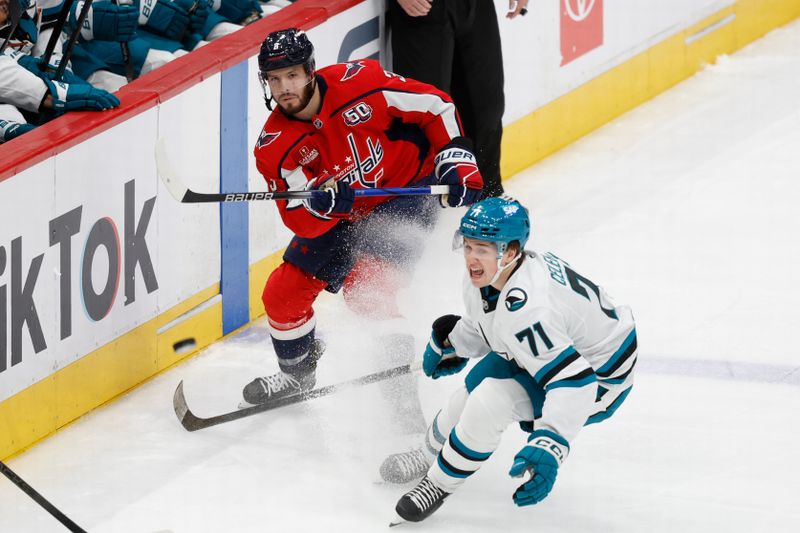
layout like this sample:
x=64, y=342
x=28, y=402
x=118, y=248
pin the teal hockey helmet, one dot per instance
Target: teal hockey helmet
x=498, y=220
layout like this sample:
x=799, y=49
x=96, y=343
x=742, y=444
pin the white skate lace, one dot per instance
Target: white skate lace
x=278, y=382
x=411, y=462
x=425, y=494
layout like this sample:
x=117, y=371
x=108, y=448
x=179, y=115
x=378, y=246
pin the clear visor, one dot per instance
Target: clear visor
x=481, y=249
x=458, y=240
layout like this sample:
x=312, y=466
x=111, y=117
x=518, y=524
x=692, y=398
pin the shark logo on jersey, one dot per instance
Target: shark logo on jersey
x=516, y=299
x=265, y=139
x=353, y=68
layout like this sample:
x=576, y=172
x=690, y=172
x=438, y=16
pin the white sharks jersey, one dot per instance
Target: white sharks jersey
x=561, y=328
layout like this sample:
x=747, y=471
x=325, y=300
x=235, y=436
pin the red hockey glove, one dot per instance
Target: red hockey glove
x=456, y=167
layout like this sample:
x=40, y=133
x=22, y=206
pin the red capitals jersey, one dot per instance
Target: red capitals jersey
x=373, y=129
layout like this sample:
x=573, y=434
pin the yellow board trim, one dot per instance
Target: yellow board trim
x=98, y=377
x=104, y=374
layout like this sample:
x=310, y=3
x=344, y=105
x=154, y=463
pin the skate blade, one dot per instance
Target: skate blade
x=396, y=521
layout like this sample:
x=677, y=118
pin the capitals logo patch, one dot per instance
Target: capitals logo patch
x=353, y=68
x=516, y=299
x=265, y=139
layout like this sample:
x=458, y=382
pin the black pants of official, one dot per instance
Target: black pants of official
x=456, y=47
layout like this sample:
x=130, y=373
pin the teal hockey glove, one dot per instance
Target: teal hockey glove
x=198, y=13
x=166, y=18
x=545, y=452
x=440, y=358
x=108, y=21
x=11, y=130
x=70, y=97
x=237, y=11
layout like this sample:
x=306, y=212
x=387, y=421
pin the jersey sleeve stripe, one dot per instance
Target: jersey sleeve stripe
x=578, y=380
x=426, y=103
x=625, y=351
x=562, y=361
x=622, y=377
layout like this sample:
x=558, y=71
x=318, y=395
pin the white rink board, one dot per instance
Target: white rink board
x=88, y=182
x=532, y=57
x=27, y=220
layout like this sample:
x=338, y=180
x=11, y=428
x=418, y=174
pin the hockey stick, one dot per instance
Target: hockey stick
x=192, y=422
x=183, y=194
x=125, y=49
x=15, y=15
x=67, y=53
x=38, y=498
x=56, y=35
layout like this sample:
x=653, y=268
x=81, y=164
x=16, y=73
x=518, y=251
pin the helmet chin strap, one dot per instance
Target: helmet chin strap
x=501, y=269
x=268, y=99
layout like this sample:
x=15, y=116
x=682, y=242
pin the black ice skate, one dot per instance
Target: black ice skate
x=421, y=501
x=262, y=390
x=405, y=467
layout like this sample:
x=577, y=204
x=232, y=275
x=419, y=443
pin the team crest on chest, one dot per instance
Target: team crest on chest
x=516, y=299
x=266, y=138
x=361, y=165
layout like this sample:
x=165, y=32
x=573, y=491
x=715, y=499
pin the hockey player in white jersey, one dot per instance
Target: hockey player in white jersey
x=557, y=354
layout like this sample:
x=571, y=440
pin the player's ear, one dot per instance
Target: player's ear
x=512, y=250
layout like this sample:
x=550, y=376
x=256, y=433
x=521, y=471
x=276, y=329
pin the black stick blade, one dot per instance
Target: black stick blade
x=192, y=422
x=187, y=419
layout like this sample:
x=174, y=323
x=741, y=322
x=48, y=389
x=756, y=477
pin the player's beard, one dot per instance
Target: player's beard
x=303, y=99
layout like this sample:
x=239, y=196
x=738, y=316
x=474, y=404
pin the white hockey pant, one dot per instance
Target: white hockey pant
x=468, y=429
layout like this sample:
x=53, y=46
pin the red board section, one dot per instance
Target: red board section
x=162, y=84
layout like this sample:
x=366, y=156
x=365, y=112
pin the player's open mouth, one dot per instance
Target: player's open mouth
x=475, y=272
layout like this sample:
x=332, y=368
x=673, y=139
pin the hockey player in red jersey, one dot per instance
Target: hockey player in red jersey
x=347, y=126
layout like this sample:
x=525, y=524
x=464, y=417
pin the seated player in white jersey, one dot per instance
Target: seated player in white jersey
x=557, y=354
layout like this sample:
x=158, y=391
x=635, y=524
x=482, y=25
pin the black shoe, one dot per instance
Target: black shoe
x=405, y=467
x=421, y=501
x=262, y=390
